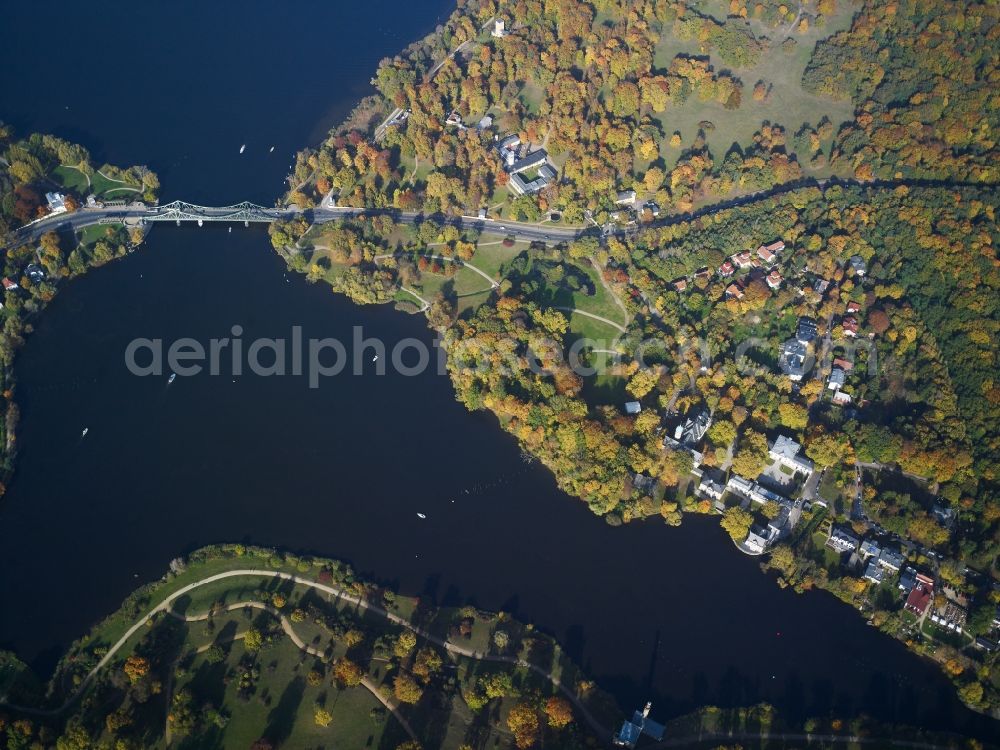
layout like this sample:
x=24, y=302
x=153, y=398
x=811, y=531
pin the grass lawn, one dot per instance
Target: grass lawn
x=95, y=232
x=71, y=178
x=102, y=187
x=283, y=703
x=588, y=328
x=787, y=104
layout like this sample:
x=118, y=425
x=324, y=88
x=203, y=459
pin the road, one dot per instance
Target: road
x=517, y=230
x=321, y=215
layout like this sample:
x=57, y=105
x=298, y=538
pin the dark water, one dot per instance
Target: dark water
x=676, y=615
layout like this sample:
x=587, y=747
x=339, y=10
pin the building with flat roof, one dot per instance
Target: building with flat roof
x=640, y=724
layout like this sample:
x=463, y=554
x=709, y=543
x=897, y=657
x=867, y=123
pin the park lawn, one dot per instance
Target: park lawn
x=601, y=303
x=465, y=282
x=531, y=96
x=92, y=234
x=598, y=332
x=290, y=701
x=103, y=187
x=71, y=178
x=492, y=258
x=787, y=104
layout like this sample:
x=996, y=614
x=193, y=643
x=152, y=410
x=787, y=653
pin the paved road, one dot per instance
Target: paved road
x=320, y=215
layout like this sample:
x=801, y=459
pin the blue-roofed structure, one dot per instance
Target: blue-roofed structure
x=640, y=724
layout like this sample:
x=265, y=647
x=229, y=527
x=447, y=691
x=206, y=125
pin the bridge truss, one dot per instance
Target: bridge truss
x=245, y=212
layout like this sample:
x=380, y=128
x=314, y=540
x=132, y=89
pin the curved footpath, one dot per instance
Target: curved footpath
x=166, y=606
x=286, y=626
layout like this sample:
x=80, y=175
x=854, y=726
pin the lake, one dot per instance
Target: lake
x=673, y=615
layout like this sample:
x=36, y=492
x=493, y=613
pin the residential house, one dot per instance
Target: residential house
x=850, y=326
x=775, y=247
x=837, y=379
x=986, y=644
x=726, y=269
x=57, y=203
x=869, y=548
x=35, y=273
x=644, y=484
x=680, y=284
x=9, y=285
x=640, y=724
x=943, y=514
x=857, y=263
x=632, y=407
x=774, y=279
x=874, y=573
x=805, y=330
x=743, y=260
x=766, y=255
x=792, y=359
x=625, y=198
x=919, y=599
x=499, y=28
x=842, y=540
x=740, y=486
x=703, y=273
x=709, y=487
x=820, y=286
x=891, y=559
x=653, y=207
x=693, y=429
x=486, y=123
x=841, y=398
x=907, y=580
x=853, y=307
x=787, y=453
x=843, y=364
x=757, y=540
x=734, y=291
x=453, y=118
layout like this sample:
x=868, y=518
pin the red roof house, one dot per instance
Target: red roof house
x=774, y=279
x=733, y=290
x=919, y=599
x=850, y=326
x=726, y=269
x=853, y=307
x=8, y=284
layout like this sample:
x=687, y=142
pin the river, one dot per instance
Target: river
x=673, y=615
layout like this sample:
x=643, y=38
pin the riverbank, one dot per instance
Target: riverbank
x=236, y=608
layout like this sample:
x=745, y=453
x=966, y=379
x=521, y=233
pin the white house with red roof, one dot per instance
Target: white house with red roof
x=850, y=326
x=726, y=269
x=774, y=279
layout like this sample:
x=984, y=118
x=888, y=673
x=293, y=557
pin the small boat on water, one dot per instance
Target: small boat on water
x=243, y=148
x=421, y=515
x=272, y=150
x=85, y=431
x=230, y=230
x=172, y=378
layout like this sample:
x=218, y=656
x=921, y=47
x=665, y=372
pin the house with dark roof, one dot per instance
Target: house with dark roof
x=837, y=379
x=842, y=540
x=805, y=330
x=792, y=359
x=639, y=725
x=858, y=265
x=788, y=453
